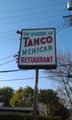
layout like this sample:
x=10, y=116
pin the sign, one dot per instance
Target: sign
x=37, y=49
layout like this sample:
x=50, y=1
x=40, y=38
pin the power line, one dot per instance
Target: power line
x=6, y=57
x=34, y=14
x=61, y=27
x=5, y=33
x=14, y=40
x=39, y=13
x=16, y=79
x=7, y=62
x=31, y=8
x=26, y=20
x=11, y=31
x=7, y=71
x=8, y=42
x=20, y=79
x=14, y=59
x=23, y=21
x=12, y=55
x=29, y=26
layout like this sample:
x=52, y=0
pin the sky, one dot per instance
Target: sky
x=27, y=14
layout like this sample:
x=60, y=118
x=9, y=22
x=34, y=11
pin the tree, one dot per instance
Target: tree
x=54, y=107
x=16, y=98
x=49, y=98
x=22, y=97
x=5, y=95
x=63, y=76
x=28, y=93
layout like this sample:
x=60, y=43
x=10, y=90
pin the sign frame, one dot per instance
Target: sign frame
x=38, y=66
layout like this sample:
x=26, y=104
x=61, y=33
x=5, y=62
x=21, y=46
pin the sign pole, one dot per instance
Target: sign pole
x=35, y=96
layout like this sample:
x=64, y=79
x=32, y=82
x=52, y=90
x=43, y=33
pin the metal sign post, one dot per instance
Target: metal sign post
x=35, y=107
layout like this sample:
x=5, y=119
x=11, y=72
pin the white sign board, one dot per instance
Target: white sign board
x=37, y=49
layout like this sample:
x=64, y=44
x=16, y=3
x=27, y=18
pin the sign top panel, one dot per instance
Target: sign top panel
x=37, y=49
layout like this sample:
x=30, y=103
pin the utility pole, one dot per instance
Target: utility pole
x=69, y=5
x=69, y=17
x=35, y=107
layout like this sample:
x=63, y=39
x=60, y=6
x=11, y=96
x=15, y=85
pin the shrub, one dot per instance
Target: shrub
x=22, y=116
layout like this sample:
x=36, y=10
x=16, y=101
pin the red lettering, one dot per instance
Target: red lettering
x=43, y=40
x=22, y=59
x=30, y=43
x=25, y=38
x=36, y=41
x=37, y=59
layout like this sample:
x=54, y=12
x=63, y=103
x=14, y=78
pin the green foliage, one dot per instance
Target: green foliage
x=62, y=111
x=5, y=95
x=17, y=97
x=49, y=118
x=48, y=96
x=22, y=97
x=54, y=107
x=19, y=116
